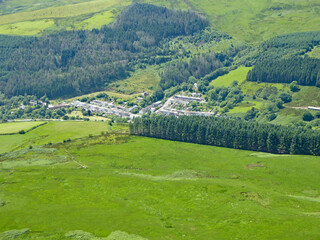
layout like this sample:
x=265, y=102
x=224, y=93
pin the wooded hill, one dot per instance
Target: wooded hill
x=283, y=59
x=306, y=71
x=78, y=62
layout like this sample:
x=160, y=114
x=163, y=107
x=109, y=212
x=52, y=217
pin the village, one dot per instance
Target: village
x=175, y=106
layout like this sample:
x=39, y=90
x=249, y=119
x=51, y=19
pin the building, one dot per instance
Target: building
x=189, y=99
x=314, y=108
x=53, y=107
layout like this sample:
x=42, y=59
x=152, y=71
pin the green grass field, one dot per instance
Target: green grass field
x=52, y=132
x=15, y=127
x=155, y=189
x=239, y=75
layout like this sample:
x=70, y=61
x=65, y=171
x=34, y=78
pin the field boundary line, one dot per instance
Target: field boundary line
x=72, y=158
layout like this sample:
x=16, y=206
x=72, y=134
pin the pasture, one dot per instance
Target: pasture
x=51, y=132
x=141, y=188
x=15, y=127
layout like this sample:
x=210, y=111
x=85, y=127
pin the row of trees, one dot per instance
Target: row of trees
x=78, y=62
x=231, y=133
x=306, y=71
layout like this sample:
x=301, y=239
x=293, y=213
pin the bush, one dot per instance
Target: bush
x=251, y=114
x=271, y=117
x=2, y=203
x=11, y=234
x=294, y=87
x=307, y=117
x=102, y=95
x=285, y=97
x=22, y=132
x=317, y=115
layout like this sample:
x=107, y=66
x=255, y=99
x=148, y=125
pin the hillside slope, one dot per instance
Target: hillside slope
x=249, y=21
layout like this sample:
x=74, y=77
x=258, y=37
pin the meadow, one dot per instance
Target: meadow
x=52, y=132
x=16, y=127
x=115, y=186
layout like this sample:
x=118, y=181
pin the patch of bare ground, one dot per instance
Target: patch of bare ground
x=256, y=197
x=255, y=165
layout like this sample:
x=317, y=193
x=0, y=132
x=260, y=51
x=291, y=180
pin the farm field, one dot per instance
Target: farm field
x=94, y=187
x=51, y=132
x=15, y=127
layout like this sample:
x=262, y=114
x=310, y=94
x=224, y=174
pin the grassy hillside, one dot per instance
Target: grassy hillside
x=156, y=189
x=249, y=21
x=69, y=16
x=261, y=19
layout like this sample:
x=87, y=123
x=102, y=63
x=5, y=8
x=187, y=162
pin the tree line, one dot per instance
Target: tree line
x=305, y=71
x=230, y=133
x=78, y=62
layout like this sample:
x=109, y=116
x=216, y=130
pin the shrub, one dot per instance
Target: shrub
x=307, y=117
x=317, y=115
x=294, y=87
x=271, y=117
x=78, y=234
x=22, y=132
x=285, y=97
x=12, y=234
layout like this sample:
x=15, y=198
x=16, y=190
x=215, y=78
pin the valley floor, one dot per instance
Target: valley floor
x=154, y=189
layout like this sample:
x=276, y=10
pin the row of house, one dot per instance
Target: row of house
x=189, y=99
x=151, y=108
x=174, y=112
x=106, y=108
